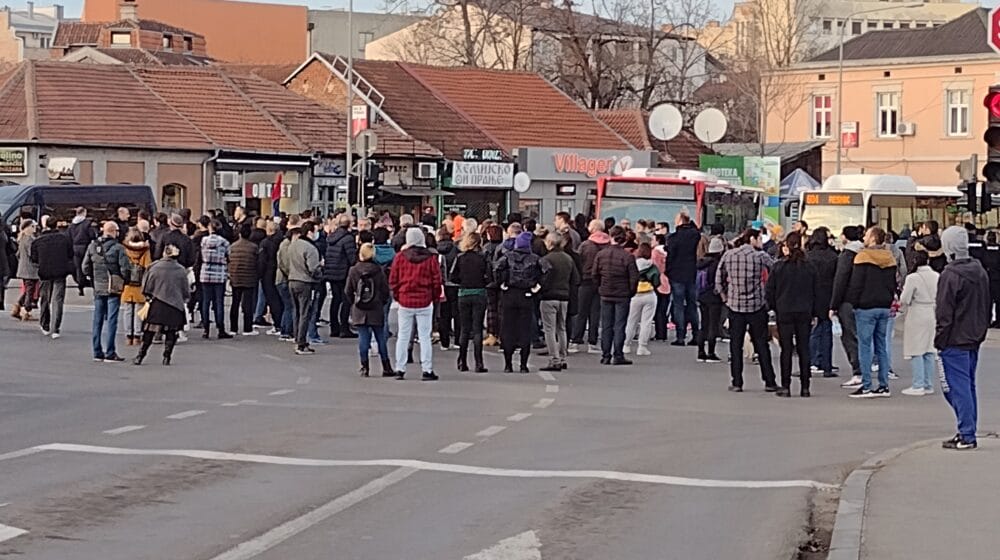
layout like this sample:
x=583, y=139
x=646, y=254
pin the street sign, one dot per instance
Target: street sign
x=366, y=143
x=994, y=29
x=849, y=134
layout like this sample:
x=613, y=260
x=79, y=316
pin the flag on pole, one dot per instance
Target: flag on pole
x=276, y=197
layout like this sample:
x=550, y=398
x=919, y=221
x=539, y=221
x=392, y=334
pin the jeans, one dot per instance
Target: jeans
x=794, y=332
x=685, y=300
x=471, y=311
x=872, y=324
x=287, y=323
x=554, y=326
x=261, y=306
x=614, y=317
x=315, y=309
x=424, y=316
x=29, y=294
x=958, y=383
x=130, y=319
x=106, y=324
x=365, y=334
x=301, y=300
x=339, y=308
x=245, y=299
x=214, y=294
x=890, y=334
x=53, y=298
x=849, y=336
x=589, y=316
x=924, y=367
x=756, y=322
x=821, y=345
x=641, y=310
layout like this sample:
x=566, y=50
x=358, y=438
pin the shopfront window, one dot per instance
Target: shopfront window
x=172, y=197
x=529, y=208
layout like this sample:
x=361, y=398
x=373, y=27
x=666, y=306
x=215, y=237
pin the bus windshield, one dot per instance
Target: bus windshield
x=634, y=209
x=834, y=217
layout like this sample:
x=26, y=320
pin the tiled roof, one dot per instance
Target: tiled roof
x=151, y=25
x=130, y=56
x=271, y=72
x=629, y=123
x=682, y=151
x=76, y=33
x=518, y=109
x=962, y=36
x=13, y=105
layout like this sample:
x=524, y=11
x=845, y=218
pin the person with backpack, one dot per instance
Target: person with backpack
x=557, y=290
x=52, y=252
x=709, y=301
x=791, y=294
x=104, y=265
x=448, y=321
x=472, y=273
x=139, y=259
x=245, y=269
x=367, y=289
x=519, y=273
x=616, y=277
x=642, y=307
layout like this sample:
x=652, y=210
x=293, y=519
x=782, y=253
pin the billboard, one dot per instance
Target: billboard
x=760, y=172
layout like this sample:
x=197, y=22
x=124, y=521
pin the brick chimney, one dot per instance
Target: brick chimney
x=128, y=10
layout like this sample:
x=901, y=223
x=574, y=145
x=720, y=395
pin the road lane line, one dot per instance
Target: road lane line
x=304, y=380
x=185, y=414
x=123, y=430
x=519, y=416
x=7, y=532
x=289, y=529
x=438, y=467
x=280, y=392
x=551, y=388
x=230, y=404
x=491, y=431
x=456, y=447
x=544, y=403
x=546, y=376
x=247, y=401
x=20, y=453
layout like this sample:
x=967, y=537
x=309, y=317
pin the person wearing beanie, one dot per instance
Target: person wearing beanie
x=709, y=302
x=871, y=292
x=961, y=317
x=520, y=273
x=617, y=279
x=415, y=281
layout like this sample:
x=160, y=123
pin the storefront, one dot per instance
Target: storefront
x=250, y=181
x=565, y=179
x=329, y=186
x=482, y=188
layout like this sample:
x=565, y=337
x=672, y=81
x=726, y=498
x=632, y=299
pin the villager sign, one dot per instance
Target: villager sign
x=13, y=162
x=482, y=174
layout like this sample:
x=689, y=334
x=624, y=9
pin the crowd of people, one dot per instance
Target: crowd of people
x=597, y=287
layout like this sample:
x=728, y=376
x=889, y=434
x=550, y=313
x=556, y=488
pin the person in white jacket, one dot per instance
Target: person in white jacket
x=918, y=302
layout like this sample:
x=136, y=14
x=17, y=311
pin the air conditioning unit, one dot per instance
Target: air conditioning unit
x=906, y=129
x=227, y=180
x=427, y=170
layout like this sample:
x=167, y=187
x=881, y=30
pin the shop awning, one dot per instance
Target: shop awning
x=400, y=191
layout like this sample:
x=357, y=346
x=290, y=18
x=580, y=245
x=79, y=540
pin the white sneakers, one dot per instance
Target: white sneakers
x=573, y=348
x=592, y=349
x=55, y=336
x=643, y=351
x=627, y=349
x=853, y=383
x=912, y=392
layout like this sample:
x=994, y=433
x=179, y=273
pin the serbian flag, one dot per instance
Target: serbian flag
x=276, y=197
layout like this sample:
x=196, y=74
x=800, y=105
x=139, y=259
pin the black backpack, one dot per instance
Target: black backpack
x=365, y=296
x=523, y=275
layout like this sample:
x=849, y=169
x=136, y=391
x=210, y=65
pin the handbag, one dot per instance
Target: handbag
x=116, y=284
x=143, y=312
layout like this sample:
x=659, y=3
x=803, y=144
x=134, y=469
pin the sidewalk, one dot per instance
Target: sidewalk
x=933, y=504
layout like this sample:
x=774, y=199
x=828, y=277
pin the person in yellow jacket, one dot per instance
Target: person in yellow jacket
x=139, y=258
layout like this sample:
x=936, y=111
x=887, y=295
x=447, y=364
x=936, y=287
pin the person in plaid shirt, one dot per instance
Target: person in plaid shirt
x=214, y=271
x=740, y=281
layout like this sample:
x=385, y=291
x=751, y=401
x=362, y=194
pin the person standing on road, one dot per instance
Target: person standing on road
x=791, y=293
x=682, y=268
x=493, y=239
x=52, y=253
x=821, y=256
x=473, y=274
x=268, y=266
x=27, y=271
x=840, y=305
x=918, y=301
x=124, y=221
x=616, y=277
x=991, y=262
x=367, y=290
x=557, y=286
x=589, y=315
x=214, y=264
x=244, y=274
x=642, y=307
x=165, y=286
x=139, y=259
x=303, y=269
x=81, y=233
x=415, y=281
x=564, y=225
x=448, y=321
x=740, y=283
x=710, y=302
x=105, y=264
x=871, y=293
x=341, y=254
x=4, y=264
x=288, y=321
x=962, y=318
x=520, y=274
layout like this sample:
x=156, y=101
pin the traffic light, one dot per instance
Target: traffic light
x=991, y=171
x=971, y=188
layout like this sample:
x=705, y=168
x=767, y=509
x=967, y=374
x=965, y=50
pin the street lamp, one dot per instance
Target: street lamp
x=840, y=70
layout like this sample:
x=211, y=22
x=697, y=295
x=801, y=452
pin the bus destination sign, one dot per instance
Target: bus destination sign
x=834, y=199
x=627, y=189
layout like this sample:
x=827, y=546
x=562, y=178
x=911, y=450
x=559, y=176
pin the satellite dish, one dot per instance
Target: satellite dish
x=710, y=125
x=665, y=122
x=522, y=182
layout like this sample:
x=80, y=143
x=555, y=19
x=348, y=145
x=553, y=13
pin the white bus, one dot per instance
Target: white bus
x=893, y=202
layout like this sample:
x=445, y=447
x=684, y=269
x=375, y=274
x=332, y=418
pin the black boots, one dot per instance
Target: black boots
x=387, y=369
x=463, y=364
x=364, y=368
x=169, y=341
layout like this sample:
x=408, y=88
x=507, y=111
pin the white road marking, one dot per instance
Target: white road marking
x=546, y=376
x=230, y=404
x=551, y=388
x=7, y=532
x=289, y=529
x=20, y=453
x=273, y=357
x=123, y=430
x=519, y=416
x=247, y=401
x=491, y=431
x=456, y=447
x=436, y=467
x=280, y=392
x=544, y=403
x=525, y=546
x=304, y=380
x=185, y=414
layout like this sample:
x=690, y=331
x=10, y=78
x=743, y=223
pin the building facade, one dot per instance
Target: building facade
x=328, y=30
x=27, y=34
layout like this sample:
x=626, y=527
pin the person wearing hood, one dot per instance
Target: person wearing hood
x=642, y=306
x=709, y=301
x=871, y=293
x=473, y=274
x=165, y=286
x=52, y=252
x=139, y=258
x=27, y=271
x=589, y=317
x=341, y=254
x=513, y=230
x=616, y=277
x=81, y=233
x=823, y=259
x=448, y=323
x=367, y=290
x=962, y=318
x=792, y=295
x=840, y=305
x=557, y=288
x=415, y=280
x=520, y=273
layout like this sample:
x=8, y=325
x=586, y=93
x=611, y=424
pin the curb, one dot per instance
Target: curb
x=848, y=526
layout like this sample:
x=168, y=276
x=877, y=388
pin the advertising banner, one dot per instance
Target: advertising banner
x=761, y=172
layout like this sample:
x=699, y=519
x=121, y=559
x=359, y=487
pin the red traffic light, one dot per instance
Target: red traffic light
x=992, y=102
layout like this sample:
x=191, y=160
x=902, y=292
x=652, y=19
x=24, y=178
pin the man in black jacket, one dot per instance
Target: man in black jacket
x=841, y=307
x=341, y=254
x=177, y=237
x=682, y=269
x=616, y=277
x=268, y=257
x=81, y=233
x=962, y=317
x=53, y=253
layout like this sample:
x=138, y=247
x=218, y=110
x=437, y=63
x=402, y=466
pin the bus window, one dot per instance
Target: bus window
x=833, y=217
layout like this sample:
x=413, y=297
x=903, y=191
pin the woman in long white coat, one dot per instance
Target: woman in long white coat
x=919, y=300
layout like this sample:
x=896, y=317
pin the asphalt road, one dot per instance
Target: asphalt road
x=242, y=450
